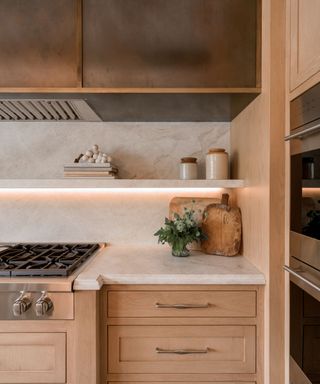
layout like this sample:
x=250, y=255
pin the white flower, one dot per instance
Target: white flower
x=180, y=226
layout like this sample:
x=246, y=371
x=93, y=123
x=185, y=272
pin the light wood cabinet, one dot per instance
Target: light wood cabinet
x=190, y=334
x=304, y=44
x=53, y=351
x=181, y=349
x=182, y=304
x=32, y=357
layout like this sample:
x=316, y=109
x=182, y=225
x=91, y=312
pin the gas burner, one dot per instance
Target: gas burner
x=44, y=259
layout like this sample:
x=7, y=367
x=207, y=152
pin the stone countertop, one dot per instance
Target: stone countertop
x=155, y=265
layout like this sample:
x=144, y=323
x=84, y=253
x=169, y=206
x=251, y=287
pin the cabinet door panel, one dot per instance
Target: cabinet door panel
x=305, y=37
x=181, y=349
x=169, y=43
x=32, y=358
x=40, y=43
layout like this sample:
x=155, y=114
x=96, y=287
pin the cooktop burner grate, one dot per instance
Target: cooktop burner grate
x=44, y=259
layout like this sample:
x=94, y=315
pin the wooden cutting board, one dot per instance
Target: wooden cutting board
x=222, y=224
x=198, y=204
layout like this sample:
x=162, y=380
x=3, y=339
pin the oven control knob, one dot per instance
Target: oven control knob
x=43, y=305
x=21, y=304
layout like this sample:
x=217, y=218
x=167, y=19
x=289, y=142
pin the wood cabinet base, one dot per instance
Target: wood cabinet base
x=178, y=340
x=52, y=351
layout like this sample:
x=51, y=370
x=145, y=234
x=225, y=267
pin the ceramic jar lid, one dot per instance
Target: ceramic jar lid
x=188, y=160
x=216, y=150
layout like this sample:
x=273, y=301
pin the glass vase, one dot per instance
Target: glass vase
x=180, y=252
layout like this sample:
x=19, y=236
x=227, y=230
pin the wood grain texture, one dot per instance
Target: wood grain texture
x=182, y=321
x=45, y=327
x=86, y=334
x=277, y=191
x=315, y=79
x=287, y=201
x=32, y=357
x=184, y=378
x=190, y=382
x=178, y=205
x=220, y=304
x=222, y=225
x=74, y=343
x=145, y=329
x=304, y=42
x=258, y=156
x=231, y=349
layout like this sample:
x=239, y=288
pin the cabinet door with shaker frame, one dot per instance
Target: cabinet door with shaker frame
x=305, y=37
x=33, y=357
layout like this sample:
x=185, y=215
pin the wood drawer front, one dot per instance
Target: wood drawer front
x=32, y=358
x=229, y=349
x=215, y=303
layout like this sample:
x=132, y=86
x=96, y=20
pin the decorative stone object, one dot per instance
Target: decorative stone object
x=94, y=155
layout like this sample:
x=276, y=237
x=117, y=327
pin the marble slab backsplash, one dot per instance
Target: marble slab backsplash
x=84, y=216
x=140, y=150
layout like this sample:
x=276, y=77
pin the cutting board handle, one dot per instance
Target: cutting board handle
x=225, y=199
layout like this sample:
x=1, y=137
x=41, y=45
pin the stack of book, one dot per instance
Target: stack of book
x=91, y=170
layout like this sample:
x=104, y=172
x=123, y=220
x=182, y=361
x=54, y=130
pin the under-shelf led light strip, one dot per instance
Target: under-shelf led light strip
x=108, y=190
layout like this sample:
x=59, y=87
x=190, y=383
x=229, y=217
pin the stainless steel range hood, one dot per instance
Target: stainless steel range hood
x=122, y=107
x=46, y=110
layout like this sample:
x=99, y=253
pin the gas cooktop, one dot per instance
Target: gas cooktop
x=44, y=260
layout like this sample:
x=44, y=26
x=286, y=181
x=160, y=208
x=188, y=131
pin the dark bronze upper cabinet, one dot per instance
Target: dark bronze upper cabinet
x=170, y=43
x=40, y=43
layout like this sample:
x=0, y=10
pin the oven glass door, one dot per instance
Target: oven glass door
x=305, y=333
x=305, y=193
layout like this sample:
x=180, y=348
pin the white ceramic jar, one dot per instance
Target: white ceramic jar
x=217, y=164
x=188, y=168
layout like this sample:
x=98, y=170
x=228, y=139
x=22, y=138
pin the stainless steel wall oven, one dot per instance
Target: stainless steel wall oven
x=304, y=265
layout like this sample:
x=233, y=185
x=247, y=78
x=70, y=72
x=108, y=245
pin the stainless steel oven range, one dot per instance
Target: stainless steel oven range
x=36, y=280
x=304, y=265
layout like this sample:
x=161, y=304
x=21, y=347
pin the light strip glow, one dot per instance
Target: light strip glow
x=108, y=190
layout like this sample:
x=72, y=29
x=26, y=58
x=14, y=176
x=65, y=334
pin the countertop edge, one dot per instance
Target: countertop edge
x=142, y=279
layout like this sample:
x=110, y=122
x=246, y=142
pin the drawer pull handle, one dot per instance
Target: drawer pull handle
x=182, y=351
x=182, y=306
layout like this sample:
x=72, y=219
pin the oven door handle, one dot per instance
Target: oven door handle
x=302, y=278
x=302, y=133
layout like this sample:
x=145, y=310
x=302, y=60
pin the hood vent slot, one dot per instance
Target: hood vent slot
x=46, y=110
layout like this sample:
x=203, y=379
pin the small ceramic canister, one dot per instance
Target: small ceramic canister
x=217, y=164
x=188, y=168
